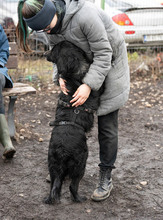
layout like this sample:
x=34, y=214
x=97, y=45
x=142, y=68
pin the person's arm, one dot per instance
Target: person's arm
x=100, y=46
x=4, y=48
x=94, y=29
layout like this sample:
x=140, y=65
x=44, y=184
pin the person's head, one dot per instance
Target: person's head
x=39, y=15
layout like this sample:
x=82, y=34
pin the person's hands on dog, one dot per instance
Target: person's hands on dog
x=81, y=95
x=62, y=84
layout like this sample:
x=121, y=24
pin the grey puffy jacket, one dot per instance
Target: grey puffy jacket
x=91, y=29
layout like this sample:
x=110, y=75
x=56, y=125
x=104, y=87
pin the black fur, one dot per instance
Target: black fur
x=68, y=150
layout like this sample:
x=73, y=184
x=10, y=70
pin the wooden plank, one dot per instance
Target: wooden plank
x=18, y=91
x=13, y=58
x=12, y=62
x=13, y=48
x=20, y=85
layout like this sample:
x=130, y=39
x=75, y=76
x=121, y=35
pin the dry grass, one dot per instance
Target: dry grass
x=31, y=69
x=144, y=65
x=39, y=71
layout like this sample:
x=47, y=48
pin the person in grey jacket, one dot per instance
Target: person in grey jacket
x=5, y=81
x=91, y=29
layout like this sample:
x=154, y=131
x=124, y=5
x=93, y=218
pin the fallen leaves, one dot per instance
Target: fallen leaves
x=41, y=139
x=146, y=94
x=141, y=184
x=21, y=195
x=89, y=210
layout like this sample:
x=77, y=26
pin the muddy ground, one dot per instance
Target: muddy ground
x=137, y=179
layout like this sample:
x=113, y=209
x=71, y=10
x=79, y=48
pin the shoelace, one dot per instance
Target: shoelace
x=103, y=176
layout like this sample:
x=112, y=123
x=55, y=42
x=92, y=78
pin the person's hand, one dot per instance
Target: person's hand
x=62, y=84
x=81, y=95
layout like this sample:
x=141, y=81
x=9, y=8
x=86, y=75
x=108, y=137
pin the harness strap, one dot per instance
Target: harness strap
x=68, y=123
x=76, y=111
x=67, y=105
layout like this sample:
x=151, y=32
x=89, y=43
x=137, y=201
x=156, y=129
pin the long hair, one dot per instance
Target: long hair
x=26, y=9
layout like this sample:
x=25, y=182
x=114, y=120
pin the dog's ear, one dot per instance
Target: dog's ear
x=67, y=65
x=62, y=65
x=72, y=64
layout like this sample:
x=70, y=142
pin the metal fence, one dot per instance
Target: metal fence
x=144, y=50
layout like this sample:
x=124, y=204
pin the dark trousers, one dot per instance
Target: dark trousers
x=2, y=85
x=108, y=139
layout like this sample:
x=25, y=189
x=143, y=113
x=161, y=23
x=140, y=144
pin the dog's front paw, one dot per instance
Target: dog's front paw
x=80, y=199
x=48, y=200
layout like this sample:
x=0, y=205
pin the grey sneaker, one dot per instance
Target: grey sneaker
x=104, y=188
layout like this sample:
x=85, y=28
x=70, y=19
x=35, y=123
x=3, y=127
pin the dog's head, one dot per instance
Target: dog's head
x=53, y=55
x=70, y=60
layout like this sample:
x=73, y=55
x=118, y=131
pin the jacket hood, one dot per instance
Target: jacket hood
x=72, y=7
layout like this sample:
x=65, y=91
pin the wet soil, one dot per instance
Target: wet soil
x=137, y=179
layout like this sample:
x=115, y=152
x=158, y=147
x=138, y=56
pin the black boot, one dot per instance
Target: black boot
x=104, y=187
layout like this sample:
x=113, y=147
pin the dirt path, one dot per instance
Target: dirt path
x=137, y=179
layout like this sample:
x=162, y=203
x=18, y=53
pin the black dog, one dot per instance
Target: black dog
x=68, y=149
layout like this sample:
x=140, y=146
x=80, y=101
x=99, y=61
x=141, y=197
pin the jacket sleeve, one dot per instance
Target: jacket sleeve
x=4, y=47
x=96, y=34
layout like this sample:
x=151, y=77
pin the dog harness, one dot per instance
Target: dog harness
x=68, y=123
x=76, y=111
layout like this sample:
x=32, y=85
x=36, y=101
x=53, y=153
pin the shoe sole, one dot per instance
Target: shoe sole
x=98, y=199
x=9, y=154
